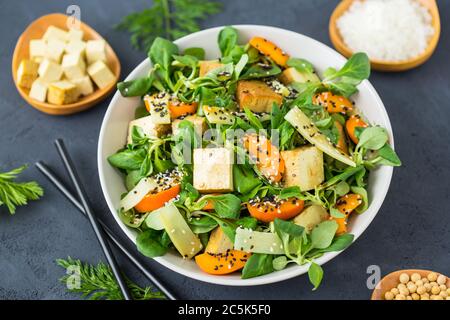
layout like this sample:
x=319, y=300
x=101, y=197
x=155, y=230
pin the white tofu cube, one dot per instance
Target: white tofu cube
x=303, y=167
x=213, y=170
x=38, y=49
x=62, y=92
x=73, y=66
x=55, y=50
x=75, y=34
x=149, y=128
x=76, y=46
x=84, y=85
x=27, y=73
x=95, y=51
x=199, y=123
x=39, y=90
x=50, y=71
x=54, y=33
x=101, y=74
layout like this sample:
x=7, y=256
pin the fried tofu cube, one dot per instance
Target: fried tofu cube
x=199, y=123
x=38, y=48
x=76, y=46
x=101, y=74
x=256, y=96
x=54, y=33
x=293, y=75
x=206, y=66
x=55, y=50
x=62, y=92
x=75, y=34
x=95, y=51
x=50, y=71
x=303, y=167
x=84, y=85
x=73, y=66
x=39, y=90
x=218, y=242
x=149, y=128
x=213, y=170
x=27, y=73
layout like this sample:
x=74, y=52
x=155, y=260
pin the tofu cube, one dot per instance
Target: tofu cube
x=27, y=73
x=50, y=71
x=76, y=46
x=39, y=90
x=199, y=123
x=303, y=167
x=213, y=170
x=95, y=51
x=101, y=74
x=62, y=92
x=84, y=85
x=54, y=33
x=206, y=66
x=38, y=49
x=149, y=128
x=73, y=66
x=55, y=50
x=75, y=34
x=256, y=96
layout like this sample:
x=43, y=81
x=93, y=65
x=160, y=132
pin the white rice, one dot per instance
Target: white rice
x=388, y=30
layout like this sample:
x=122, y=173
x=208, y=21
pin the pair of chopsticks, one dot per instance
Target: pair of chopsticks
x=100, y=228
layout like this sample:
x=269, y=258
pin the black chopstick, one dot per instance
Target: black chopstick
x=53, y=178
x=70, y=167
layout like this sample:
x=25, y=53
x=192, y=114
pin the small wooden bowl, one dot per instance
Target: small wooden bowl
x=35, y=31
x=380, y=65
x=392, y=280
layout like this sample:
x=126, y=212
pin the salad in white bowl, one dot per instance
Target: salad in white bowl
x=246, y=164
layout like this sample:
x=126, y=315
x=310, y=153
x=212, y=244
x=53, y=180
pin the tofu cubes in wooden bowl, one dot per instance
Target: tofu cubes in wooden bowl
x=62, y=70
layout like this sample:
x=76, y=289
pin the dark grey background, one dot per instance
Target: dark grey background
x=410, y=231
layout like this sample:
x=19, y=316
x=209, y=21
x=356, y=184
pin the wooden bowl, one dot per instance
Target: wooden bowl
x=35, y=31
x=380, y=65
x=392, y=280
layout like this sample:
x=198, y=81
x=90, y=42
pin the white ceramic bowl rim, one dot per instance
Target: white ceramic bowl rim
x=385, y=173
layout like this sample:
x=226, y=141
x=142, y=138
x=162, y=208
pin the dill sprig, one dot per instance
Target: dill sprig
x=98, y=282
x=171, y=19
x=13, y=194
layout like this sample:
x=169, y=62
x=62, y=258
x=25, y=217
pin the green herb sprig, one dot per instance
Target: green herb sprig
x=13, y=194
x=171, y=19
x=98, y=282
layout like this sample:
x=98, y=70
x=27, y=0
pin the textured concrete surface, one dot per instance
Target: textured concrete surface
x=410, y=231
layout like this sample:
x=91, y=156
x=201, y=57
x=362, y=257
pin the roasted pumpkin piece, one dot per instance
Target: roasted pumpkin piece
x=269, y=49
x=217, y=264
x=333, y=103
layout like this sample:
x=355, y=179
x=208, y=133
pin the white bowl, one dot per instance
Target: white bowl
x=121, y=110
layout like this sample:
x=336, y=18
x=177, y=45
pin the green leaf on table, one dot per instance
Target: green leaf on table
x=315, y=274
